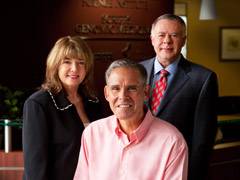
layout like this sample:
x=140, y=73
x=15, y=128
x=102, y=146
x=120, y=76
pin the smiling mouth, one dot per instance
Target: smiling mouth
x=73, y=76
x=166, y=49
x=124, y=105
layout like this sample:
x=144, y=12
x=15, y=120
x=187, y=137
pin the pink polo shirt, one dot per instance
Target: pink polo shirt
x=155, y=151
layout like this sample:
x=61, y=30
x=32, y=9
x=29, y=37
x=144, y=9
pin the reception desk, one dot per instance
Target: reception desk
x=11, y=165
x=11, y=156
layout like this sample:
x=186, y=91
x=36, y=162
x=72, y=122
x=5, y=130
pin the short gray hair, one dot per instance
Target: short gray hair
x=126, y=63
x=172, y=17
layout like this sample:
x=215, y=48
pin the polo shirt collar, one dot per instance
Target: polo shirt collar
x=138, y=134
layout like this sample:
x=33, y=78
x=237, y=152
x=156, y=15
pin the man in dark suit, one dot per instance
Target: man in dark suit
x=189, y=101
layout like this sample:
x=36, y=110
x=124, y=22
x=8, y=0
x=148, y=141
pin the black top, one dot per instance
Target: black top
x=52, y=135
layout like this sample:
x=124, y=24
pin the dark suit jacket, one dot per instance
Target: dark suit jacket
x=52, y=137
x=189, y=103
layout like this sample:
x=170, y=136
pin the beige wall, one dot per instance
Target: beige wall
x=203, y=42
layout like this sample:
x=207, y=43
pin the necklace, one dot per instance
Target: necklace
x=55, y=104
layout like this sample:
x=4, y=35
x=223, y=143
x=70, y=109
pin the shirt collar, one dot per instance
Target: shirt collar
x=138, y=134
x=171, y=68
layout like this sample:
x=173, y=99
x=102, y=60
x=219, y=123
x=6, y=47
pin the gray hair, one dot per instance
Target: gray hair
x=172, y=17
x=126, y=63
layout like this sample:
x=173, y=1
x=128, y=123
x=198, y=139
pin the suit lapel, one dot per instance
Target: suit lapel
x=149, y=67
x=178, y=81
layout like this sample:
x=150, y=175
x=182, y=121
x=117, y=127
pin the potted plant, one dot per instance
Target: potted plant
x=11, y=104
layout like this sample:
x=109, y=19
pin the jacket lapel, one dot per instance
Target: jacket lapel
x=149, y=68
x=180, y=78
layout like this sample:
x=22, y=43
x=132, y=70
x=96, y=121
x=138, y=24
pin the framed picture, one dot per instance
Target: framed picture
x=230, y=43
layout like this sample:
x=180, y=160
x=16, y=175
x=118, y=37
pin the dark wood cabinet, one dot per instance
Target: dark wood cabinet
x=225, y=162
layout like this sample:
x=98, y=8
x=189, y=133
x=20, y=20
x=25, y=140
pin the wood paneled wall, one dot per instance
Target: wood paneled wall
x=113, y=29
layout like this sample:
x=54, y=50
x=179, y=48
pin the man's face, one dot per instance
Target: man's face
x=168, y=38
x=126, y=93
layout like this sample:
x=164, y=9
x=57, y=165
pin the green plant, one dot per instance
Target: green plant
x=11, y=102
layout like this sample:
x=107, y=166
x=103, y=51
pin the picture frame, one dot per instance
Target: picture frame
x=230, y=44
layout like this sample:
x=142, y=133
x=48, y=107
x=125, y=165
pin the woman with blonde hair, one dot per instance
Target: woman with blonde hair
x=54, y=117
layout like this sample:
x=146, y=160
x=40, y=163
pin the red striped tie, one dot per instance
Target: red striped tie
x=158, y=90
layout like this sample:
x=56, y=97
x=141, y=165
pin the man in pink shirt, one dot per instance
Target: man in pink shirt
x=132, y=144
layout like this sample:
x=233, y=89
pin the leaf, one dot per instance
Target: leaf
x=14, y=102
x=14, y=109
x=7, y=102
x=18, y=93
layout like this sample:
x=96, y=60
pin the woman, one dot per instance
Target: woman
x=55, y=116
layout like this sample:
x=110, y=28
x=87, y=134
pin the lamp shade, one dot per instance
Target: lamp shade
x=207, y=10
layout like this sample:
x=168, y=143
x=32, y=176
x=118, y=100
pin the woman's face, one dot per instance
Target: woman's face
x=72, y=72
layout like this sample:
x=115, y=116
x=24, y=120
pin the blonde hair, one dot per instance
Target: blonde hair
x=71, y=47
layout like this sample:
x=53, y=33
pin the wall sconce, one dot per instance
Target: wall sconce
x=208, y=10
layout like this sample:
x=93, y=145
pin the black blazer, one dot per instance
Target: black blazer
x=52, y=137
x=189, y=103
